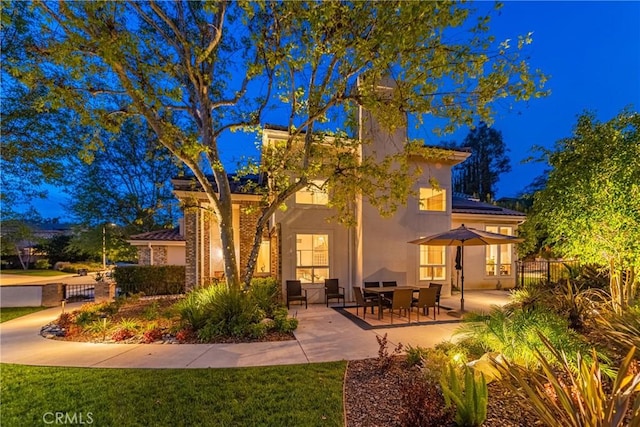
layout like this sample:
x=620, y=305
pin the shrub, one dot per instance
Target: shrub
x=282, y=322
x=217, y=311
x=434, y=362
x=42, y=264
x=415, y=356
x=73, y=268
x=152, y=335
x=266, y=294
x=423, y=406
x=582, y=402
x=515, y=333
x=468, y=390
x=150, y=279
x=621, y=329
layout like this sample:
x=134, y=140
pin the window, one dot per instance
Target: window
x=498, y=257
x=313, y=195
x=432, y=262
x=263, y=263
x=433, y=200
x=312, y=257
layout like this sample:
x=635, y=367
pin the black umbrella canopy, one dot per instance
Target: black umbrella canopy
x=466, y=237
x=463, y=236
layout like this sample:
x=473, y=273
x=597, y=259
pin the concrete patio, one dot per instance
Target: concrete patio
x=323, y=335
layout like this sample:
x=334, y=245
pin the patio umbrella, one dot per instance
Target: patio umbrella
x=463, y=236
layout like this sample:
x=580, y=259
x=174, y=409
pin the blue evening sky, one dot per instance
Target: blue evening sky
x=590, y=50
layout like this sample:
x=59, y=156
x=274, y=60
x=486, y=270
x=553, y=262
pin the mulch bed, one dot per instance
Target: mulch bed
x=379, y=395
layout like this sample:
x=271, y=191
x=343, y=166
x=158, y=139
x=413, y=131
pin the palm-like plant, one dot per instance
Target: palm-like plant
x=583, y=402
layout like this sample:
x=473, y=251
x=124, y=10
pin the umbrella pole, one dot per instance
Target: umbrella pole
x=462, y=279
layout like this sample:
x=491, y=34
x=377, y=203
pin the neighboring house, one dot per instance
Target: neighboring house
x=162, y=247
x=301, y=244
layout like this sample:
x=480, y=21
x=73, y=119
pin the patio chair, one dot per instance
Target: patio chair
x=391, y=283
x=369, y=294
x=332, y=291
x=438, y=287
x=295, y=292
x=426, y=299
x=364, y=302
x=401, y=301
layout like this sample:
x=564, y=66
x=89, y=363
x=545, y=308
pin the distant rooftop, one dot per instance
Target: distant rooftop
x=466, y=205
x=164, y=235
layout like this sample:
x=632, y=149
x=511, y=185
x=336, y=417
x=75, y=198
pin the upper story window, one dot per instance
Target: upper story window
x=433, y=200
x=313, y=195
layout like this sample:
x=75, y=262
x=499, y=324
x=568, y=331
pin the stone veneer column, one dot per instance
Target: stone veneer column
x=104, y=291
x=207, y=226
x=52, y=294
x=276, y=253
x=191, y=247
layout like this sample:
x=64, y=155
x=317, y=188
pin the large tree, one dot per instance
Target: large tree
x=199, y=70
x=480, y=173
x=590, y=207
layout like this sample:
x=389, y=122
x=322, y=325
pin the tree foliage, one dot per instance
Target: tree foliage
x=480, y=173
x=198, y=70
x=124, y=178
x=590, y=207
x=36, y=135
x=18, y=239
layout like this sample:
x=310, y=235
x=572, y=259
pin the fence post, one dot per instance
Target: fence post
x=548, y=271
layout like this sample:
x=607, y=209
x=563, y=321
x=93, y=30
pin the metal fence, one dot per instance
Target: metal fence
x=85, y=292
x=543, y=271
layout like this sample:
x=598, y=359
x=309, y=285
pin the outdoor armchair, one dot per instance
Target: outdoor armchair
x=295, y=292
x=426, y=299
x=332, y=290
x=438, y=288
x=364, y=302
x=402, y=299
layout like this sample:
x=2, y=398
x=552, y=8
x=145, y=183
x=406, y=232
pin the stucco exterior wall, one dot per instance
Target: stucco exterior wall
x=310, y=219
x=475, y=276
x=20, y=296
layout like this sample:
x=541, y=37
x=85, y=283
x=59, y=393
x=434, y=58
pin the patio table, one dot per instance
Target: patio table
x=389, y=290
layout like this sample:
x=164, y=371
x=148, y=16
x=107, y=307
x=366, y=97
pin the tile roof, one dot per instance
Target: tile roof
x=468, y=206
x=165, y=235
x=237, y=184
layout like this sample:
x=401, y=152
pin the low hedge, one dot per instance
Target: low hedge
x=150, y=279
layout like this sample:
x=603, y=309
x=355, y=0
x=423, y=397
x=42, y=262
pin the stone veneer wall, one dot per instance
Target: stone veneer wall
x=144, y=256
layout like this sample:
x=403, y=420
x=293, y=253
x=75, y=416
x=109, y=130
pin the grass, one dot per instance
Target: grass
x=9, y=313
x=300, y=395
x=34, y=273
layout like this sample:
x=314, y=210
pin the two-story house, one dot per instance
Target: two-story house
x=301, y=244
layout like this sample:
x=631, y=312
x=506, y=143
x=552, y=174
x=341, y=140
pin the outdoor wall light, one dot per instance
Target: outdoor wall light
x=104, y=326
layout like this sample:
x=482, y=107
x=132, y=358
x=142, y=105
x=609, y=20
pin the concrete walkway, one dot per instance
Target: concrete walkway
x=323, y=335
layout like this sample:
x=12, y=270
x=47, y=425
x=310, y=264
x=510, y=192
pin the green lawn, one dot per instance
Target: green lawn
x=8, y=313
x=294, y=395
x=35, y=273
